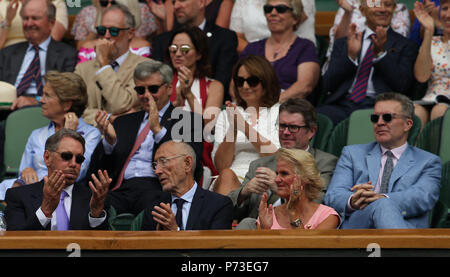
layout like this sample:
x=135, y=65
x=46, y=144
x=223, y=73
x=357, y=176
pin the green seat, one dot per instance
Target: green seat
x=18, y=127
x=357, y=129
x=120, y=222
x=137, y=222
x=324, y=129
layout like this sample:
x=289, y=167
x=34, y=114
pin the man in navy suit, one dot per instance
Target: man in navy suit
x=386, y=184
x=352, y=81
x=222, y=42
x=38, y=19
x=184, y=205
x=38, y=206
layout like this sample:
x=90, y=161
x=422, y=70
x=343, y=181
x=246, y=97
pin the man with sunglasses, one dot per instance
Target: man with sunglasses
x=57, y=202
x=23, y=64
x=109, y=77
x=184, y=204
x=386, y=184
x=222, y=42
x=130, y=143
x=368, y=63
x=297, y=126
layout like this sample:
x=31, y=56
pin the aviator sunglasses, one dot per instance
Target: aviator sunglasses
x=67, y=156
x=252, y=81
x=279, y=8
x=113, y=31
x=387, y=117
x=141, y=89
x=184, y=49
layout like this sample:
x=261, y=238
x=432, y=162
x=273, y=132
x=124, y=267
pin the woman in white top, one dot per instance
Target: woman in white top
x=249, y=22
x=247, y=130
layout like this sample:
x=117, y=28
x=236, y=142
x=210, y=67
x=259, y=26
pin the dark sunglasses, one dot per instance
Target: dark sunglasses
x=105, y=3
x=184, y=49
x=153, y=89
x=113, y=31
x=252, y=81
x=387, y=117
x=67, y=156
x=279, y=8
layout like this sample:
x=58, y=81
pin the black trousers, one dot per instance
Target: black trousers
x=134, y=195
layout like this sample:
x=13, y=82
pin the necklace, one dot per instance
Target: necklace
x=280, y=49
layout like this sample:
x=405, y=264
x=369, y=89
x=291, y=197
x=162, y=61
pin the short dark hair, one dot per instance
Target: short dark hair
x=53, y=141
x=407, y=104
x=303, y=107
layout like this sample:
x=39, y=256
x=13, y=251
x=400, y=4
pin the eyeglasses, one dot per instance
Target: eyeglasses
x=67, y=156
x=105, y=3
x=163, y=161
x=152, y=89
x=184, y=49
x=291, y=128
x=279, y=8
x=387, y=117
x=252, y=81
x=113, y=31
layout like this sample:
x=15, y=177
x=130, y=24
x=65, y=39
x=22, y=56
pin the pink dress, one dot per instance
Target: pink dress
x=322, y=213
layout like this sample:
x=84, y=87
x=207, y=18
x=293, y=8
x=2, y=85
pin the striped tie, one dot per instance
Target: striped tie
x=362, y=78
x=33, y=73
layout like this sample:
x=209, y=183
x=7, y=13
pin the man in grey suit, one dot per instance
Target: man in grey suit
x=297, y=126
x=18, y=60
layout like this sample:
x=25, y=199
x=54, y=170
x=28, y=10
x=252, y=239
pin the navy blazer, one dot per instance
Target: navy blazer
x=394, y=72
x=24, y=201
x=60, y=56
x=209, y=211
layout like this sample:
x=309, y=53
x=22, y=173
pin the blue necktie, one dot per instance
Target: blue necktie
x=62, y=220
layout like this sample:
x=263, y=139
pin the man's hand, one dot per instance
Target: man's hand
x=105, y=127
x=53, y=186
x=379, y=40
x=353, y=42
x=267, y=176
x=99, y=192
x=23, y=101
x=153, y=116
x=363, y=195
x=165, y=218
x=103, y=51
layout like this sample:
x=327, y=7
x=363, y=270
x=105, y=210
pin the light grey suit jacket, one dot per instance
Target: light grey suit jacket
x=249, y=207
x=414, y=184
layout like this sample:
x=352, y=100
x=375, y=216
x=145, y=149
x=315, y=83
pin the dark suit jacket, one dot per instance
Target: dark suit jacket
x=60, y=56
x=127, y=128
x=394, y=72
x=209, y=211
x=222, y=51
x=23, y=202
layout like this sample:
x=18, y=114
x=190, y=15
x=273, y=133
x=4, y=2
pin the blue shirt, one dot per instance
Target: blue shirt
x=29, y=56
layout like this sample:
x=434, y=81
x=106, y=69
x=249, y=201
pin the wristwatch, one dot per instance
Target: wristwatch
x=296, y=223
x=3, y=25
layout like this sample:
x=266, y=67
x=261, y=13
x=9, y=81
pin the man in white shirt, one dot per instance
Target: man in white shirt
x=57, y=202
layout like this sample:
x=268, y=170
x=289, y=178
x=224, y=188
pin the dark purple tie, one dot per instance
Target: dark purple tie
x=179, y=216
x=33, y=73
x=362, y=78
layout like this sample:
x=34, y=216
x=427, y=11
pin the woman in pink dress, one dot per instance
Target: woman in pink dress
x=299, y=183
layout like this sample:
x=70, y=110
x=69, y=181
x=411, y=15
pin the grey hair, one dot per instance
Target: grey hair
x=407, y=104
x=130, y=22
x=53, y=141
x=51, y=9
x=189, y=151
x=147, y=68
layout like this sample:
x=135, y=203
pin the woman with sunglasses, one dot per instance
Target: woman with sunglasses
x=293, y=58
x=299, y=184
x=11, y=31
x=188, y=54
x=432, y=64
x=247, y=130
x=63, y=102
x=85, y=33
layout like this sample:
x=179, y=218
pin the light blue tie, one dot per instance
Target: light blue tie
x=62, y=220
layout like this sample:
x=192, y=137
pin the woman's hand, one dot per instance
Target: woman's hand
x=71, y=121
x=265, y=213
x=29, y=176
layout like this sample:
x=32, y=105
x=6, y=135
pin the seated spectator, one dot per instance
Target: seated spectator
x=417, y=30
x=247, y=130
x=109, y=77
x=296, y=127
x=11, y=23
x=24, y=64
x=89, y=17
x=299, y=183
x=250, y=24
x=130, y=143
x=349, y=12
x=222, y=42
x=184, y=205
x=191, y=87
x=367, y=63
x=58, y=202
x=386, y=184
x=63, y=102
x=433, y=65
x=293, y=58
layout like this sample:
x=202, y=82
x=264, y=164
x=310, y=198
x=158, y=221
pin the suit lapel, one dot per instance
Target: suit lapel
x=16, y=60
x=401, y=168
x=196, y=206
x=373, y=160
x=52, y=56
x=79, y=208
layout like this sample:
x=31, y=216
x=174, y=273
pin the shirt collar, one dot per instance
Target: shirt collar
x=202, y=25
x=69, y=190
x=122, y=58
x=188, y=196
x=43, y=46
x=397, y=152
